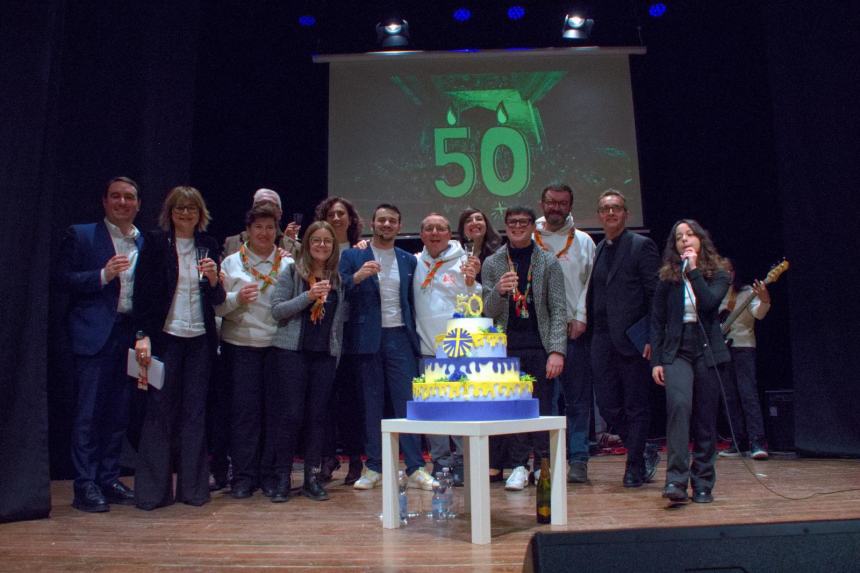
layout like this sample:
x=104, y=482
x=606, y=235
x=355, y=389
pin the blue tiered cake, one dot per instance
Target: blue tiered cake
x=471, y=377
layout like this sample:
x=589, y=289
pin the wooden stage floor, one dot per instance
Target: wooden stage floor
x=345, y=533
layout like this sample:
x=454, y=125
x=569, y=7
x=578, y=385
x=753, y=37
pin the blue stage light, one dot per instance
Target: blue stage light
x=657, y=9
x=462, y=14
x=516, y=12
x=307, y=21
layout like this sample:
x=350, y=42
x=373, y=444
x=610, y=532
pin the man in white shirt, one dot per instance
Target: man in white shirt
x=96, y=267
x=444, y=271
x=574, y=250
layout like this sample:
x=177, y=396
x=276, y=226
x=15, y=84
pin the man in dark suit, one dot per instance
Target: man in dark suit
x=619, y=297
x=96, y=266
x=381, y=335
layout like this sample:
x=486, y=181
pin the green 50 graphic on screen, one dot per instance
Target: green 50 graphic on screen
x=493, y=141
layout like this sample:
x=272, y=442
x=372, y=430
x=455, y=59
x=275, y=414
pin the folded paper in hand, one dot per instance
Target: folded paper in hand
x=155, y=372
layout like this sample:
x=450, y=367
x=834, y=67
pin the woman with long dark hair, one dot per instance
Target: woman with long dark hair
x=176, y=291
x=688, y=350
x=476, y=233
x=308, y=304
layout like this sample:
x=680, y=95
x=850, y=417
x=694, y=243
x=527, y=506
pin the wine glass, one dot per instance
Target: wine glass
x=202, y=253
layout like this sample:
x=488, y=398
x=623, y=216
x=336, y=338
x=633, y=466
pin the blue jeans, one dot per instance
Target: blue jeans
x=578, y=397
x=391, y=369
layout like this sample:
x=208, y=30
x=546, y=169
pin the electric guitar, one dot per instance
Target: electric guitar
x=772, y=276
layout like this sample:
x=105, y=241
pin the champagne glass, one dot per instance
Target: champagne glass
x=202, y=253
x=298, y=218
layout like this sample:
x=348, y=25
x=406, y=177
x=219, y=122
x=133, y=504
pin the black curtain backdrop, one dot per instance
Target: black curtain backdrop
x=746, y=114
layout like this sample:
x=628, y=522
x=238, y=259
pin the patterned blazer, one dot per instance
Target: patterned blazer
x=547, y=290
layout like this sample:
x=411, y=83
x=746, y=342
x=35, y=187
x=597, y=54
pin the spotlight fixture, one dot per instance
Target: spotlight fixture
x=462, y=14
x=656, y=9
x=516, y=12
x=307, y=21
x=394, y=33
x=576, y=27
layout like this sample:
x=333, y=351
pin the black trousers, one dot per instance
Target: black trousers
x=742, y=400
x=248, y=368
x=520, y=446
x=299, y=394
x=692, y=402
x=346, y=424
x=102, y=406
x=621, y=384
x=174, y=430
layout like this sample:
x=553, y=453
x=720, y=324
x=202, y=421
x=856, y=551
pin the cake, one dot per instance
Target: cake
x=471, y=377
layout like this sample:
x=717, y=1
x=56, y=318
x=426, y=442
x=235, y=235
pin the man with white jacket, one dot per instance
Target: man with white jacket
x=574, y=249
x=444, y=271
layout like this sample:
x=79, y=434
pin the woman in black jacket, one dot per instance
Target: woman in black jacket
x=176, y=291
x=687, y=350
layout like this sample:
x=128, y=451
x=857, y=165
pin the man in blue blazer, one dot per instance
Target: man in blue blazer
x=622, y=285
x=381, y=335
x=96, y=267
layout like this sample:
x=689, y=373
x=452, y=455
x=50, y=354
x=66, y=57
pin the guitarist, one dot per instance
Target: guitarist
x=742, y=389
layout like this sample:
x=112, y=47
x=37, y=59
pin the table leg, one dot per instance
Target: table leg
x=477, y=459
x=390, y=489
x=558, y=500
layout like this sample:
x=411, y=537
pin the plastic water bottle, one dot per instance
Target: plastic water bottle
x=403, y=484
x=438, y=502
x=448, y=494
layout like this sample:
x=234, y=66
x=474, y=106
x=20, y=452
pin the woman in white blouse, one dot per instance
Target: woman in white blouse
x=176, y=291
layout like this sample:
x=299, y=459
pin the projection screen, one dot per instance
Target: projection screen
x=437, y=132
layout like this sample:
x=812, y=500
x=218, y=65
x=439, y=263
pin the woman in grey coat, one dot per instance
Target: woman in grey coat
x=308, y=304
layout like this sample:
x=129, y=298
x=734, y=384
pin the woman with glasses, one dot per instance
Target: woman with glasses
x=308, y=305
x=176, y=291
x=688, y=348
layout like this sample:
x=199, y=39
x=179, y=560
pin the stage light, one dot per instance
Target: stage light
x=657, y=9
x=393, y=34
x=307, y=21
x=576, y=27
x=516, y=12
x=462, y=14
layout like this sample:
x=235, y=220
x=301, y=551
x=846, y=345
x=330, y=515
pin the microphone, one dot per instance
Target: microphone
x=684, y=263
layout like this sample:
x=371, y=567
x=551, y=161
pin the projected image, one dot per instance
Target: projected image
x=429, y=138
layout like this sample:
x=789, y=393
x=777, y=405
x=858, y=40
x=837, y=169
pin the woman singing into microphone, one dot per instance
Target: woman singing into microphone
x=687, y=350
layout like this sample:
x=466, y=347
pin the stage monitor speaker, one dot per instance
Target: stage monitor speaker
x=779, y=420
x=799, y=546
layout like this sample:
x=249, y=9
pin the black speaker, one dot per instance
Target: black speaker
x=797, y=547
x=779, y=420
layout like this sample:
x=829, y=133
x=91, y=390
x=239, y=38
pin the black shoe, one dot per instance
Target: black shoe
x=703, y=496
x=675, y=492
x=633, y=476
x=312, y=487
x=90, y=498
x=281, y=489
x=241, y=490
x=577, y=472
x=758, y=451
x=118, y=492
x=652, y=458
x=330, y=464
x=354, y=472
x=457, y=476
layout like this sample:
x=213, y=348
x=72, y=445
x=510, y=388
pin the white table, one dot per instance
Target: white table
x=476, y=457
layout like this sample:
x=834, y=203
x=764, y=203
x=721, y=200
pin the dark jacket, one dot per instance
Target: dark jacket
x=155, y=283
x=629, y=289
x=92, y=308
x=667, y=316
x=362, y=333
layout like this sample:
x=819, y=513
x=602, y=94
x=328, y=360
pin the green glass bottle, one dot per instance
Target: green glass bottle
x=544, y=493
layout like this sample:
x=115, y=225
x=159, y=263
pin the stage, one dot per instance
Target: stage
x=346, y=532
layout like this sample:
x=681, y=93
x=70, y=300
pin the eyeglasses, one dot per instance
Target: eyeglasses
x=437, y=228
x=518, y=222
x=317, y=241
x=611, y=209
x=559, y=204
x=186, y=209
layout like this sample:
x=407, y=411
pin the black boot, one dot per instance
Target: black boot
x=354, y=473
x=312, y=487
x=281, y=491
x=330, y=464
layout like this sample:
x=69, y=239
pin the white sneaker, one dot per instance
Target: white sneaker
x=537, y=475
x=518, y=479
x=368, y=480
x=422, y=480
